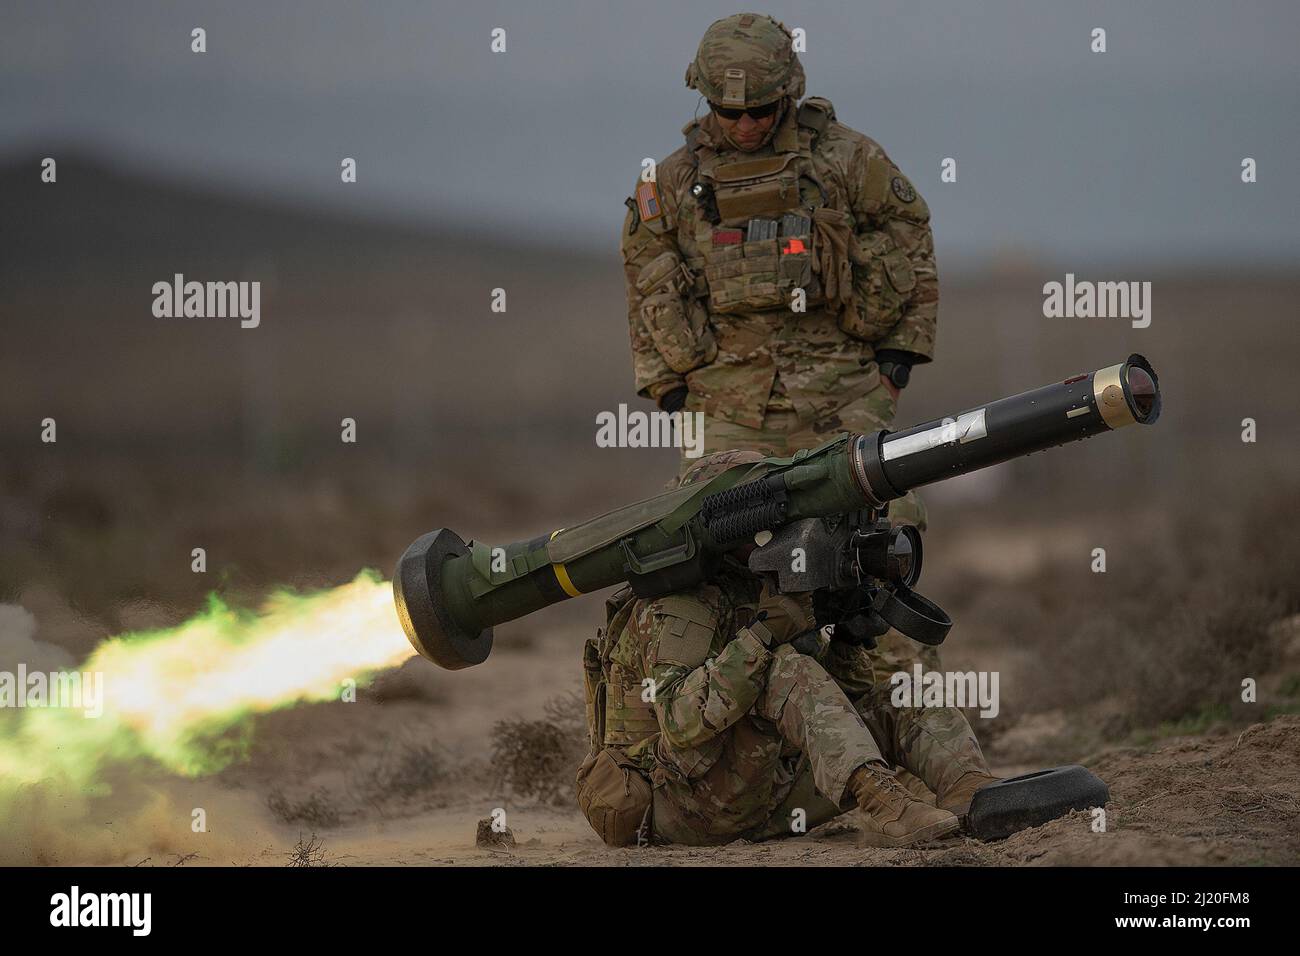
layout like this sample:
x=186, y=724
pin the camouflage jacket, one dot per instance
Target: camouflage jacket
x=685, y=670
x=681, y=676
x=713, y=310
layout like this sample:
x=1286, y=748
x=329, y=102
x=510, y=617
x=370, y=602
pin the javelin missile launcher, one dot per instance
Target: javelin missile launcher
x=828, y=505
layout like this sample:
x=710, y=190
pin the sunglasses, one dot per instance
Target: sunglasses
x=755, y=112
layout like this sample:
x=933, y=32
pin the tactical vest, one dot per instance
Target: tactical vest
x=616, y=714
x=754, y=232
x=751, y=229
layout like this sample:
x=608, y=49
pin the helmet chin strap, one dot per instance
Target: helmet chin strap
x=780, y=118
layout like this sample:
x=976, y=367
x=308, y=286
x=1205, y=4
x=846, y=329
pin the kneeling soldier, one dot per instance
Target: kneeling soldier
x=708, y=726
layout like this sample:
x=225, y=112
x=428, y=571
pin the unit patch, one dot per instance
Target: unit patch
x=903, y=189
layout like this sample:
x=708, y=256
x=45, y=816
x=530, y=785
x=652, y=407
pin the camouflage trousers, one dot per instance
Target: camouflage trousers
x=782, y=435
x=784, y=767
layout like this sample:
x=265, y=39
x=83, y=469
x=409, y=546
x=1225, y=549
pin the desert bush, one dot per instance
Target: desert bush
x=318, y=809
x=537, y=759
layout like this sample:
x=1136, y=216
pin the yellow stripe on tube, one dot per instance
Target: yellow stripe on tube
x=562, y=574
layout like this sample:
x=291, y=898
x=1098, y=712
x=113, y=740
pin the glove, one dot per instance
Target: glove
x=674, y=400
x=851, y=615
x=897, y=356
x=832, y=238
x=785, y=616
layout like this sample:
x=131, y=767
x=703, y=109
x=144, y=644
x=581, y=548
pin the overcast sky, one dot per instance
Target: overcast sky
x=1128, y=156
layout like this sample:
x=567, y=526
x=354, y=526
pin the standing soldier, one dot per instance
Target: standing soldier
x=780, y=268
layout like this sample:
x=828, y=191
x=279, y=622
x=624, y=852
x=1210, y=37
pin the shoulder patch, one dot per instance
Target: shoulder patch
x=887, y=192
x=686, y=631
x=648, y=202
x=902, y=189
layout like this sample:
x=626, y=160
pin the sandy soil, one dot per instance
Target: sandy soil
x=1228, y=799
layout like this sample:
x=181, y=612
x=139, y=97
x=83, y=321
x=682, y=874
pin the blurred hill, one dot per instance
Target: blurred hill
x=374, y=320
x=390, y=324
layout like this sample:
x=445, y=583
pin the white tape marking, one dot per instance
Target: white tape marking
x=968, y=427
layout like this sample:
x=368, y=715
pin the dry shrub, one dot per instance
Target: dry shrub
x=317, y=810
x=309, y=851
x=403, y=772
x=537, y=759
x=1172, y=628
x=400, y=773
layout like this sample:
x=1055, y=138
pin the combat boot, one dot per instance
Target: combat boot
x=915, y=786
x=893, y=817
x=957, y=798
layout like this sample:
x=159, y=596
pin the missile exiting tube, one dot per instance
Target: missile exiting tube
x=450, y=594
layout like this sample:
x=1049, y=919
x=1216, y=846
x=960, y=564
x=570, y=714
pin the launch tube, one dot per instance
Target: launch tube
x=450, y=594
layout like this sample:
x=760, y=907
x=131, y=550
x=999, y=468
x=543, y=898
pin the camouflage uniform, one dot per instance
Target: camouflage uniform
x=711, y=310
x=737, y=736
x=716, y=317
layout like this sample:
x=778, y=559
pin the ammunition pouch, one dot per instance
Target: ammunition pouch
x=677, y=323
x=615, y=797
x=751, y=276
x=883, y=282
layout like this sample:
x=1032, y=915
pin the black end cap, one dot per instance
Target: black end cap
x=417, y=590
x=1017, y=803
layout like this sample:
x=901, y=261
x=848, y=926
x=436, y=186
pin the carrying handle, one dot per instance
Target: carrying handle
x=660, y=559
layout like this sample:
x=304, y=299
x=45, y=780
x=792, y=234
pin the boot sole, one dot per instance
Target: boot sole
x=933, y=832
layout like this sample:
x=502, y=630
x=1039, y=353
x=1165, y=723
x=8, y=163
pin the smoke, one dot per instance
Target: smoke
x=178, y=700
x=18, y=643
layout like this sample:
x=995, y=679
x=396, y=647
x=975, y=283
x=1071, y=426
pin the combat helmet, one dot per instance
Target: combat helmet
x=746, y=60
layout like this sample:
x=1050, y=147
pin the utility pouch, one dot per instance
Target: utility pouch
x=883, y=281
x=615, y=797
x=677, y=323
x=751, y=276
x=756, y=187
